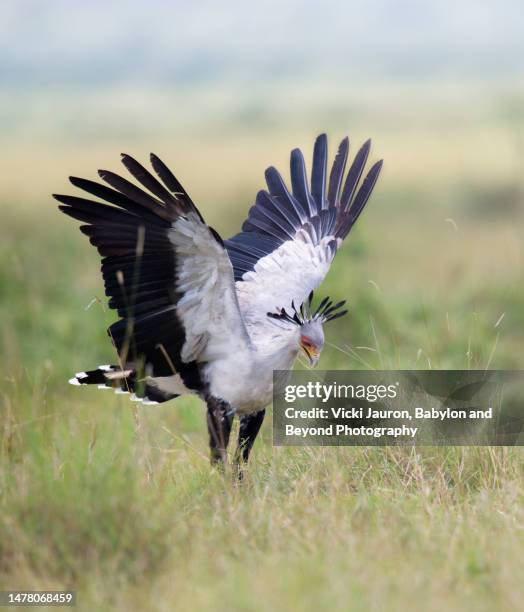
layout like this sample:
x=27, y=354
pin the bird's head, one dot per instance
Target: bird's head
x=310, y=324
x=312, y=341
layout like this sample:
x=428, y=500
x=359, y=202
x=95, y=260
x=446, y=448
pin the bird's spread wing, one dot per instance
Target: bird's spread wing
x=289, y=239
x=165, y=271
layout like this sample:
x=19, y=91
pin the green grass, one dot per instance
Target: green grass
x=118, y=501
x=131, y=516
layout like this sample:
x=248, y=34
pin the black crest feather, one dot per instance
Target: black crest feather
x=325, y=311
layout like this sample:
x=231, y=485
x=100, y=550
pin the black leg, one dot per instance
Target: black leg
x=219, y=419
x=249, y=427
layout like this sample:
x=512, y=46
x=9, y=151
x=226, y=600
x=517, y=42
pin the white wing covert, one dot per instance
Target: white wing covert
x=289, y=239
x=208, y=307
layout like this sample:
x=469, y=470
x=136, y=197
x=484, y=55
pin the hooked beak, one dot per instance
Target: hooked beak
x=313, y=356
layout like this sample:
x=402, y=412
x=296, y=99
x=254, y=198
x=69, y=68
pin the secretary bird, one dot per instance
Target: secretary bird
x=211, y=317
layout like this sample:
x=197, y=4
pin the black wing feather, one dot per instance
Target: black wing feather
x=318, y=172
x=354, y=174
x=149, y=181
x=299, y=183
x=337, y=172
x=279, y=215
x=135, y=194
x=119, y=199
x=277, y=188
x=360, y=201
x=173, y=184
x=130, y=230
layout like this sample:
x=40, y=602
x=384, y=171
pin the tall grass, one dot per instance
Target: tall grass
x=129, y=513
x=118, y=501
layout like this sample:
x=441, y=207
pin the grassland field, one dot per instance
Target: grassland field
x=118, y=501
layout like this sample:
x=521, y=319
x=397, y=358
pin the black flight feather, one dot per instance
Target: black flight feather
x=318, y=172
x=149, y=181
x=354, y=174
x=277, y=188
x=337, y=172
x=299, y=183
x=280, y=215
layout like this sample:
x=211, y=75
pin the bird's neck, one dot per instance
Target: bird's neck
x=278, y=347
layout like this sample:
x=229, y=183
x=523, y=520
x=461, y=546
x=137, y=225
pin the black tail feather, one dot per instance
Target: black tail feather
x=122, y=381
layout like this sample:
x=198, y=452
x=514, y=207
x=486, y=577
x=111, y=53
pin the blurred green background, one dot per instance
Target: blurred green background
x=433, y=273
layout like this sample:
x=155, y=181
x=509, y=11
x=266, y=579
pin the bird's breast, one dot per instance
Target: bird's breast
x=246, y=381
